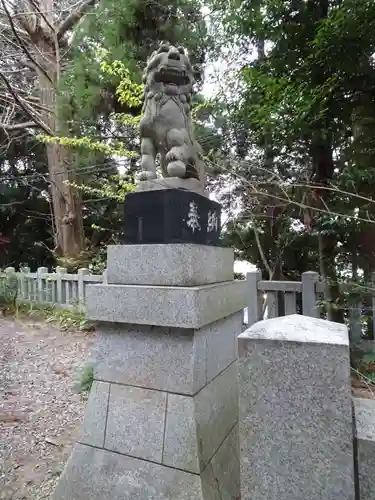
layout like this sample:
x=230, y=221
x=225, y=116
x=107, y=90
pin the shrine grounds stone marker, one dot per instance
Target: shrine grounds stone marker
x=161, y=421
x=295, y=412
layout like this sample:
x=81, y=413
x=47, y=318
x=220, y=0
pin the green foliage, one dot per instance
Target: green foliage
x=85, y=379
x=367, y=366
x=363, y=364
x=116, y=187
x=8, y=290
x=99, y=262
x=69, y=318
x=288, y=252
x=99, y=105
x=303, y=129
x=129, y=32
x=25, y=212
x=85, y=143
x=128, y=92
x=72, y=264
x=291, y=133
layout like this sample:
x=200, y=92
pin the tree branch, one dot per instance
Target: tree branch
x=26, y=18
x=74, y=17
x=28, y=64
x=18, y=126
x=25, y=107
x=261, y=253
x=22, y=43
x=7, y=27
x=44, y=17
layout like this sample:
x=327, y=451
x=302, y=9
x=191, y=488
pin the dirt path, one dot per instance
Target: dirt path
x=40, y=410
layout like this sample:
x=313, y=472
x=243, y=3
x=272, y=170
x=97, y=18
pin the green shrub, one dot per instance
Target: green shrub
x=85, y=379
x=8, y=291
x=68, y=318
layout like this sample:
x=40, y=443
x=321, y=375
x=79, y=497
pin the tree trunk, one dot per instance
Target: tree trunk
x=323, y=166
x=363, y=127
x=69, y=238
x=66, y=202
x=39, y=31
x=355, y=302
x=323, y=169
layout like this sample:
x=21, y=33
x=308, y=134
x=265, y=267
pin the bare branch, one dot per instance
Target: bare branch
x=69, y=22
x=18, y=126
x=26, y=108
x=22, y=43
x=7, y=27
x=285, y=198
x=28, y=64
x=261, y=253
x=26, y=18
x=45, y=18
x=36, y=103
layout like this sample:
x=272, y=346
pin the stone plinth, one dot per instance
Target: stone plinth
x=170, y=183
x=295, y=415
x=161, y=422
x=169, y=264
x=180, y=307
x=171, y=216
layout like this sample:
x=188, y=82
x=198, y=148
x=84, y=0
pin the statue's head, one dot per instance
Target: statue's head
x=169, y=67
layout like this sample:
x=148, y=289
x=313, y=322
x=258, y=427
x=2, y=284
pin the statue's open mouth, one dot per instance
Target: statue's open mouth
x=171, y=75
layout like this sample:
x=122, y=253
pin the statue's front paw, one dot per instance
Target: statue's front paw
x=176, y=168
x=145, y=175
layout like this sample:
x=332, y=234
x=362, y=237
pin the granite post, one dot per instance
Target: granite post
x=365, y=437
x=161, y=422
x=295, y=414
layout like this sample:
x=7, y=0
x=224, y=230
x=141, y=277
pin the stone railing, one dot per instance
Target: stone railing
x=61, y=288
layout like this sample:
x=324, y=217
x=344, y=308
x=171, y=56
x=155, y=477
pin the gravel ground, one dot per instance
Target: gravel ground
x=40, y=410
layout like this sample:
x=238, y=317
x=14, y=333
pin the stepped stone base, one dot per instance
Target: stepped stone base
x=172, y=264
x=161, y=421
x=179, y=307
x=98, y=474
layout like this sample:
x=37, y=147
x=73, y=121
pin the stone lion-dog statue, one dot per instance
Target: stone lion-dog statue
x=166, y=127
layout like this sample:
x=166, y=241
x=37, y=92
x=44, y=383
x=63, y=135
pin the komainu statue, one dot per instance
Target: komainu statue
x=166, y=127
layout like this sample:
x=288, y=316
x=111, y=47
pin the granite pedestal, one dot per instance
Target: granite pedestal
x=171, y=216
x=191, y=184
x=161, y=422
x=295, y=414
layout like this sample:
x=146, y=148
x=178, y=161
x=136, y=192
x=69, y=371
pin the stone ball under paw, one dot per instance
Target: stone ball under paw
x=176, y=169
x=145, y=175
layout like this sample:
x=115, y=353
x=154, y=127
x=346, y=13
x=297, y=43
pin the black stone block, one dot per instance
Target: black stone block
x=171, y=216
